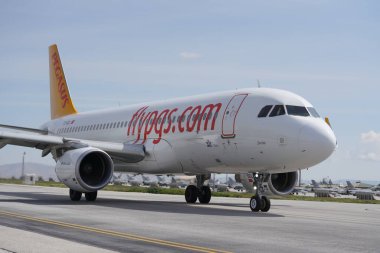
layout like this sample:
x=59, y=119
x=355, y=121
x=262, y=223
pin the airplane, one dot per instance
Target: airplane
x=270, y=133
x=328, y=187
x=376, y=188
x=235, y=185
x=161, y=181
x=177, y=183
x=116, y=179
x=133, y=181
x=147, y=181
x=351, y=189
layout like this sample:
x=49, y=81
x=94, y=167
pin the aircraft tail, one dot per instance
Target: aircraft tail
x=350, y=185
x=314, y=183
x=60, y=100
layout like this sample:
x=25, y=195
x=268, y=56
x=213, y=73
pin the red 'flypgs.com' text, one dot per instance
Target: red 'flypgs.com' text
x=197, y=118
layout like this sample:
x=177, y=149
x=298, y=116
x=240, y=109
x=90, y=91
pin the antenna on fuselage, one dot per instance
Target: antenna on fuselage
x=258, y=83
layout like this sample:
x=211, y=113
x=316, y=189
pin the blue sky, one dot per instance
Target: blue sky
x=123, y=52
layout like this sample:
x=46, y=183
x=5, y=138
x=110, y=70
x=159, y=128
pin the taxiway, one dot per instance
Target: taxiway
x=138, y=222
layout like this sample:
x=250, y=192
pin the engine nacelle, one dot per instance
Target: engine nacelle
x=283, y=183
x=85, y=169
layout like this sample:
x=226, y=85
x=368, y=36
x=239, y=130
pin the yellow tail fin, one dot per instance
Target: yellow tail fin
x=60, y=100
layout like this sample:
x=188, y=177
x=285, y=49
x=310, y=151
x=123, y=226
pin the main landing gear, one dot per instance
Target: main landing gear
x=200, y=192
x=259, y=202
x=77, y=195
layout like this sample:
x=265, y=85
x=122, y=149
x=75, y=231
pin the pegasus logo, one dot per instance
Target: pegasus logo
x=194, y=118
x=60, y=81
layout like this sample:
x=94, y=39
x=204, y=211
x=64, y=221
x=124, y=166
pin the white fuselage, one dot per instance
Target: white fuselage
x=218, y=132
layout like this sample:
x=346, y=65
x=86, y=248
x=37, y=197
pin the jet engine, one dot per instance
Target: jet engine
x=283, y=183
x=85, y=169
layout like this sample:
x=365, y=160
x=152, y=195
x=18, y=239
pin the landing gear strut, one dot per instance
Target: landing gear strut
x=201, y=192
x=259, y=202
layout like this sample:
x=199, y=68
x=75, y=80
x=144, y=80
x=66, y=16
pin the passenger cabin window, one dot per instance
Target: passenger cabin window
x=277, y=111
x=297, y=110
x=264, y=111
x=313, y=112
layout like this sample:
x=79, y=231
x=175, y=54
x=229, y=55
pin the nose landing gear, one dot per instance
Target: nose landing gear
x=259, y=202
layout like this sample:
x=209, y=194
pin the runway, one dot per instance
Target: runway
x=138, y=222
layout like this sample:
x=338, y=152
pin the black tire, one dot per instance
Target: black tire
x=204, y=195
x=91, y=196
x=265, y=204
x=75, y=195
x=191, y=194
x=255, y=203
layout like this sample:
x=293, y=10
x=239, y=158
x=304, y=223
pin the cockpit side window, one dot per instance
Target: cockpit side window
x=264, y=111
x=313, y=112
x=297, y=110
x=277, y=111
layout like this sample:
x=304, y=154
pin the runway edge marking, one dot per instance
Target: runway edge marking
x=114, y=233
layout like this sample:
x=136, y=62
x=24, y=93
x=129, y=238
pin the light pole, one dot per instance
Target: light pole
x=299, y=177
x=23, y=166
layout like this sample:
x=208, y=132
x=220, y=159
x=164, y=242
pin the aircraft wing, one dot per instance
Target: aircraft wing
x=124, y=152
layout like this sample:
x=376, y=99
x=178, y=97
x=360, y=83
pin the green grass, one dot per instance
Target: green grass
x=177, y=191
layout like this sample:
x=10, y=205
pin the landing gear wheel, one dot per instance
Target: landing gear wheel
x=255, y=203
x=265, y=204
x=75, y=195
x=91, y=196
x=204, y=196
x=191, y=194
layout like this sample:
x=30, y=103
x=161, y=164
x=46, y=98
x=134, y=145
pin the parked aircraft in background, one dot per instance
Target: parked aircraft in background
x=235, y=185
x=116, y=179
x=177, y=183
x=329, y=187
x=133, y=181
x=162, y=182
x=148, y=181
x=376, y=188
x=268, y=133
x=359, y=187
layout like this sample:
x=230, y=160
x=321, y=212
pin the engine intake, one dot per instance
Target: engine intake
x=85, y=169
x=283, y=183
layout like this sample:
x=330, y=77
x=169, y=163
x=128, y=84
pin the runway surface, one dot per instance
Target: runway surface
x=138, y=222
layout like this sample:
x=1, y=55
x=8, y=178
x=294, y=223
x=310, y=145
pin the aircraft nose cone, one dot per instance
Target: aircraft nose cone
x=317, y=142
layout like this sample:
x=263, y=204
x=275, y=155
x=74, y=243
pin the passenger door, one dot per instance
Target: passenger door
x=229, y=116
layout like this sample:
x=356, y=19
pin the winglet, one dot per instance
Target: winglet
x=60, y=100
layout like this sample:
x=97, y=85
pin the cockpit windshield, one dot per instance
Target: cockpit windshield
x=294, y=110
x=277, y=111
x=264, y=111
x=313, y=112
x=297, y=110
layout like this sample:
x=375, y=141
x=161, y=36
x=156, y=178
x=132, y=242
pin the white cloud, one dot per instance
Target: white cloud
x=370, y=136
x=370, y=145
x=190, y=55
x=370, y=156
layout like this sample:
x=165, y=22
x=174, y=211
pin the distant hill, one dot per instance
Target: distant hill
x=41, y=170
